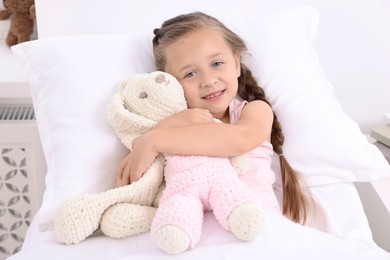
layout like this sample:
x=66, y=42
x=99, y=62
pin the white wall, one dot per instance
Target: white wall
x=356, y=56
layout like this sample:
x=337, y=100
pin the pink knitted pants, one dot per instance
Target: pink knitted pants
x=195, y=184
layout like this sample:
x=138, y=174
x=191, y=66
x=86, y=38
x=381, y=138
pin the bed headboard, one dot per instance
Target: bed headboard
x=352, y=42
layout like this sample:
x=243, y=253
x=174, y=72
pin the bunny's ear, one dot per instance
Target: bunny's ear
x=126, y=124
x=122, y=85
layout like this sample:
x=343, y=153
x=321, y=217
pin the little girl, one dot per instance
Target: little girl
x=205, y=57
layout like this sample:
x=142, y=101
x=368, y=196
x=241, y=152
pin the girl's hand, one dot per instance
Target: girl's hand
x=134, y=165
x=186, y=117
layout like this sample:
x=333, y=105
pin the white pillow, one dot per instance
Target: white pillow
x=321, y=142
x=72, y=78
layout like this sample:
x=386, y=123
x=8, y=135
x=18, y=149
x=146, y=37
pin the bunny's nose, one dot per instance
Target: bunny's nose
x=160, y=78
x=143, y=95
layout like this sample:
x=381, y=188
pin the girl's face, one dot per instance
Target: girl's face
x=207, y=69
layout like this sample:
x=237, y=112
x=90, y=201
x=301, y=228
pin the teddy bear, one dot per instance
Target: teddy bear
x=120, y=212
x=22, y=15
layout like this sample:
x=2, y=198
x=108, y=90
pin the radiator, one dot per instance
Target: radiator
x=22, y=171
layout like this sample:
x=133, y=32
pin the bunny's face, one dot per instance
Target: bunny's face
x=155, y=96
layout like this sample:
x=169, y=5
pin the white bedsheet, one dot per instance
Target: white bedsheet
x=281, y=239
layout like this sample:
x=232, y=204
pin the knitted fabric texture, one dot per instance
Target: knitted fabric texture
x=79, y=217
x=123, y=220
x=195, y=184
x=141, y=102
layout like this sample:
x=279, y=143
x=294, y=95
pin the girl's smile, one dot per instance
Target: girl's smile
x=214, y=96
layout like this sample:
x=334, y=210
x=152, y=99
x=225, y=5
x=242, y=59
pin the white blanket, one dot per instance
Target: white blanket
x=281, y=239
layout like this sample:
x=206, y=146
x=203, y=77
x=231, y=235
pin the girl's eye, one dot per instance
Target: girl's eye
x=217, y=64
x=189, y=74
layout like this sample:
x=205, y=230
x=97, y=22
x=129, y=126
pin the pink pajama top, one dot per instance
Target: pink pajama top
x=260, y=177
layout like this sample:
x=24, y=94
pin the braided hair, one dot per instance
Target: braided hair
x=294, y=199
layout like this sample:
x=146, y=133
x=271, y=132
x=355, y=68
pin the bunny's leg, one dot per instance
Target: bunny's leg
x=235, y=207
x=178, y=223
x=79, y=217
x=123, y=220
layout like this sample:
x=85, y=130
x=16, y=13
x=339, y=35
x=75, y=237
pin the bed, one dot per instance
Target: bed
x=86, y=48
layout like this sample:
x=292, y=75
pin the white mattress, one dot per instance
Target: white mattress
x=281, y=239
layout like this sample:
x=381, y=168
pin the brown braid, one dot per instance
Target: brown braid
x=294, y=200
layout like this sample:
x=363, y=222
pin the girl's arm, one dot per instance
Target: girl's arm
x=185, y=118
x=215, y=139
x=209, y=139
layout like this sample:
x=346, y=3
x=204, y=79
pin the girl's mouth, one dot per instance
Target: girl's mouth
x=214, y=95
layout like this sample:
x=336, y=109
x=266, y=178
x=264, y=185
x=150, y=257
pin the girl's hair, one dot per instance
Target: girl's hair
x=294, y=199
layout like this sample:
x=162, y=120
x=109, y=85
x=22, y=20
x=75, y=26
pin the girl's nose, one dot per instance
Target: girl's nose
x=209, y=79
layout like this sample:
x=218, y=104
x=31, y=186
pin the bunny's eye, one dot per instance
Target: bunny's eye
x=143, y=95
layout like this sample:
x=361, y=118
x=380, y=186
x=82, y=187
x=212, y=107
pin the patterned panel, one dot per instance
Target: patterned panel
x=15, y=206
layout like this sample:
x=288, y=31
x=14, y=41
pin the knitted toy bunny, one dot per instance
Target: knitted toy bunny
x=193, y=183
x=120, y=212
x=79, y=217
